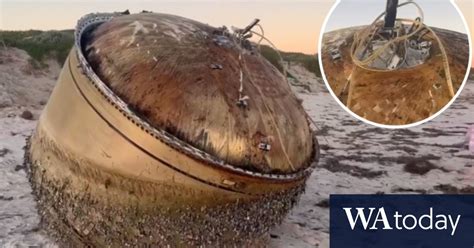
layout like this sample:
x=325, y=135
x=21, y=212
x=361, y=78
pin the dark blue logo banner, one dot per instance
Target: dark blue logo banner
x=385, y=221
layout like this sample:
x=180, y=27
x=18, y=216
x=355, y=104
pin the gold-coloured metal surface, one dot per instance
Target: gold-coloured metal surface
x=97, y=166
x=183, y=76
x=80, y=121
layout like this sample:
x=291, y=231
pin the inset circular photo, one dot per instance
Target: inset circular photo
x=395, y=64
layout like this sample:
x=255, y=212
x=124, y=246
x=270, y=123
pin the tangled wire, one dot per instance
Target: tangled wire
x=366, y=36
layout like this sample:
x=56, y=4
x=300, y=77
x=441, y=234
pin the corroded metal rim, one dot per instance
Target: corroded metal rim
x=90, y=21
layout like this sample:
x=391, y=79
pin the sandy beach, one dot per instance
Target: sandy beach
x=356, y=157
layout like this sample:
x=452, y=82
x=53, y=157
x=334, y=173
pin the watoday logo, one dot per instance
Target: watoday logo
x=401, y=220
x=377, y=218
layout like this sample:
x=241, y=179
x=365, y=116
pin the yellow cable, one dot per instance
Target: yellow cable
x=447, y=70
x=272, y=118
x=361, y=41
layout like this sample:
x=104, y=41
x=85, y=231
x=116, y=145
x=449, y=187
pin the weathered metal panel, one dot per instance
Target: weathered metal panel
x=162, y=66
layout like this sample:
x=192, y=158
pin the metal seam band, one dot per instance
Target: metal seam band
x=141, y=148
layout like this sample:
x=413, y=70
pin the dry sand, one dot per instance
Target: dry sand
x=356, y=158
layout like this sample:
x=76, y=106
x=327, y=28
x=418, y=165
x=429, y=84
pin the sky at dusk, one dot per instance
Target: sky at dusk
x=293, y=25
x=437, y=13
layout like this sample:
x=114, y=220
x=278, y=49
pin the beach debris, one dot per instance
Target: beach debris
x=450, y=189
x=6, y=198
x=274, y=236
x=19, y=167
x=27, y=115
x=323, y=203
x=4, y=151
x=470, y=139
x=419, y=167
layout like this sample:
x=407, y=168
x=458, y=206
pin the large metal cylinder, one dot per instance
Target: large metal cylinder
x=142, y=142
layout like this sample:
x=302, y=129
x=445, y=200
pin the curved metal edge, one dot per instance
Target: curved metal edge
x=91, y=20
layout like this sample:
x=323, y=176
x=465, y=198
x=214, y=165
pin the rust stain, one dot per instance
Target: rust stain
x=168, y=80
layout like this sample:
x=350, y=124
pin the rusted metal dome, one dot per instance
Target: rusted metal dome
x=398, y=71
x=397, y=97
x=183, y=77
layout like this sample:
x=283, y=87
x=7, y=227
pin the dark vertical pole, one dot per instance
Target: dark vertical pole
x=391, y=14
x=250, y=26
